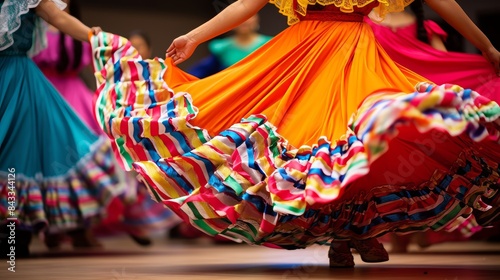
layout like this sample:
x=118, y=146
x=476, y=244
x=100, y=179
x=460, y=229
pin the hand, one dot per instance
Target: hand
x=181, y=49
x=95, y=30
x=493, y=56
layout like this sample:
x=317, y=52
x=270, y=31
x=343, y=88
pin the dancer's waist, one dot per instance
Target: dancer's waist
x=333, y=16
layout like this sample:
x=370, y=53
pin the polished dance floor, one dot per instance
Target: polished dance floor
x=121, y=259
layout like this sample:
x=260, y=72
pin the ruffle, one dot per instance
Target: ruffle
x=292, y=8
x=248, y=184
x=10, y=21
x=319, y=174
x=72, y=200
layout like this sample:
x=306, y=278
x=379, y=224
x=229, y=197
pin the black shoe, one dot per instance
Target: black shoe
x=143, y=241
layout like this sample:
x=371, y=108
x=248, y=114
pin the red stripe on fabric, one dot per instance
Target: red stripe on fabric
x=266, y=226
x=131, y=98
x=198, y=170
x=134, y=71
x=238, y=166
x=115, y=43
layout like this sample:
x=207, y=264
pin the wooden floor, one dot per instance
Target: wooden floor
x=123, y=260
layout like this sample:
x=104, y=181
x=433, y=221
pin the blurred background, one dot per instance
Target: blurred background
x=165, y=20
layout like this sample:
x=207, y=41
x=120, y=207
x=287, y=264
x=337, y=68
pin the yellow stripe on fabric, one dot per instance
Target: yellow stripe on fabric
x=319, y=187
x=187, y=169
x=260, y=150
x=222, y=146
x=430, y=100
x=207, y=152
x=161, y=147
x=157, y=175
x=208, y=211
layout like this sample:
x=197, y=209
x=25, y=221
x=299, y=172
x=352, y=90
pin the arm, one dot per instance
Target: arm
x=452, y=13
x=437, y=43
x=232, y=16
x=63, y=21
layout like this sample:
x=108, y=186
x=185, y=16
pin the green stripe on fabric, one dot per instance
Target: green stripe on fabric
x=242, y=233
x=155, y=194
x=296, y=211
x=205, y=227
x=233, y=184
x=201, y=136
x=189, y=106
x=120, y=142
x=195, y=210
x=102, y=116
x=355, y=164
x=451, y=215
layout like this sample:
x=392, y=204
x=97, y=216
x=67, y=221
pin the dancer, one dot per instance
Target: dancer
x=224, y=53
x=55, y=174
x=310, y=139
x=62, y=61
x=417, y=44
x=228, y=51
x=141, y=41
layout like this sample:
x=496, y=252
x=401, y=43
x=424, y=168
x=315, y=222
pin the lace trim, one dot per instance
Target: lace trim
x=293, y=8
x=10, y=20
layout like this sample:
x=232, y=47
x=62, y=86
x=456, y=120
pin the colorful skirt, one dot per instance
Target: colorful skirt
x=234, y=155
x=55, y=173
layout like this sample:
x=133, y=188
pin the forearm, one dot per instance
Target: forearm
x=226, y=20
x=62, y=21
x=437, y=43
x=452, y=13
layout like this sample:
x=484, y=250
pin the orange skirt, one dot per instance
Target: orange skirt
x=308, y=81
x=316, y=136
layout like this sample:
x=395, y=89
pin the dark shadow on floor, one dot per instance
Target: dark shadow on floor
x=322, y=271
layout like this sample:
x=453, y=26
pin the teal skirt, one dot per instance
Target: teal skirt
x=53, y=170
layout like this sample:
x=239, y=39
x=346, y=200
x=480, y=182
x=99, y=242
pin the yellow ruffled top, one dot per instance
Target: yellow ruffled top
x=287, y=8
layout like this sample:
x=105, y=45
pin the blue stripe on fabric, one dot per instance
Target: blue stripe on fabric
x=251, y=156
x=305, y=156
x=137, y=129
x=127, y=111
x=466, y=94
x=171, y=108
x=148, y=145
x=181, y=141
x=146, y=75
x=173, y=175
x=325, y=178
x=237, y=139
x=217, y=184
x=208, y=166
x=117, y=72
x=260, y=204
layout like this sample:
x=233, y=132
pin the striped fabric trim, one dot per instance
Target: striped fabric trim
x=249, y=184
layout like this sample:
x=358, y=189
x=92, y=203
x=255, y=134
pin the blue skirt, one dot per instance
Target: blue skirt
x=53, y=170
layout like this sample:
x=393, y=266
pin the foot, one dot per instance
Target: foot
x=53, y=240
x=399, y=243
x=370, y=250
x=340, y=255
x=141, y=240
x=83, y=238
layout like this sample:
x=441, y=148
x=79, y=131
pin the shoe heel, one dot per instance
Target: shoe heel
x=370, y=250
x=340, y=255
